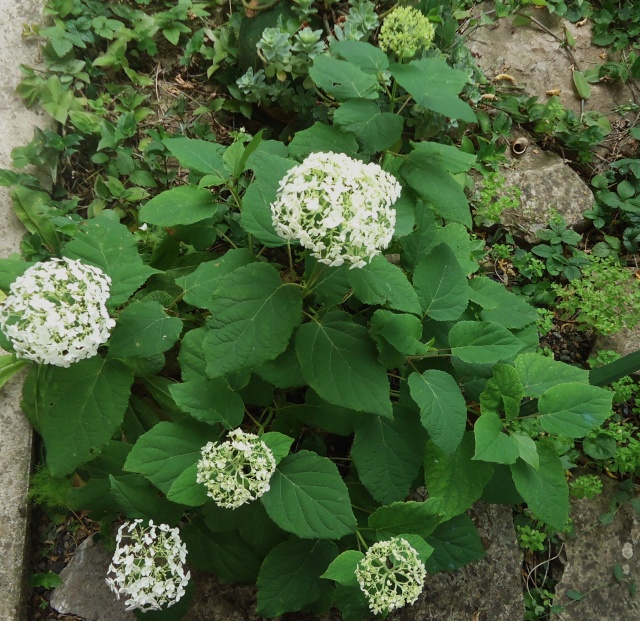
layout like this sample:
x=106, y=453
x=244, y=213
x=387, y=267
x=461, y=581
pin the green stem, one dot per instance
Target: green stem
x=603, y=376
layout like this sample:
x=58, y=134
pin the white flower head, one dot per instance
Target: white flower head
x=390, y=575
x=148, y=566
x=236, y=471
x=337, y=207
x=56, y=312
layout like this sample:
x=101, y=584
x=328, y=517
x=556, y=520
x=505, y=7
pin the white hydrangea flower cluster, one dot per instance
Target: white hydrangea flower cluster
x=338, y=207
x=56, y=312
x=236, y=471
x=148, y=566
x=391, y=575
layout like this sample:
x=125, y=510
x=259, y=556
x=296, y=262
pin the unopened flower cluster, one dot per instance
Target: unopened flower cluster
x=337, y=207
x=390, y=575
x=56, y=312
x=148, y=566
x=405, y=32
x=236, y=471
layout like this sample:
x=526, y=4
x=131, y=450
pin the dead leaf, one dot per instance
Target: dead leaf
x=582, y=22
x=553, y=91
x=504, y=76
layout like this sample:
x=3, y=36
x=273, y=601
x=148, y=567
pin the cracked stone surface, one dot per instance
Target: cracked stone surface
x=538, y=62
x=591, y=557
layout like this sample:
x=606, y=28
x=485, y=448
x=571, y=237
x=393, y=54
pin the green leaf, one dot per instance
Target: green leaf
x=308, y=498
x=369, y=58
x=209, y=401
x=278, y=443
x=581, y=84
x=342, y=80
x=289, y=578
x=10, y=268
x=322, y=138
x=492, y=444
x=440, y=191
x=283, y=371
x=35, y=211
x=419, y=518
x=256, y=216
x=200, y=285
x=455, y=543
x=538, y=373
x=482, y=342
x=191, y=356
x=226, y=555
x=503, y=391
x=416, y=245
x=137, y=499
x=544, y=489
x=342, y=568
x=113, y=248
x=500, y=305
x=200, y=155
x=527, y=449
x=443, y=411
x=381, y=282
x=252, y=318
x=143, y=330
x=441, y=285
x=401, y=331
x=184, y=204
x=337, y=358
x=185, y=490
x=435, y=85
x=81, y=408
x=330, y=285
x=454, y=478
x=388, y=453
x=445, y=156
x=572, y=410
x=375, y=130
x=167, y=450
x=10, y=366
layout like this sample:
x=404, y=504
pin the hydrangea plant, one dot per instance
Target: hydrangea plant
x=148, y=566
x=405, y=32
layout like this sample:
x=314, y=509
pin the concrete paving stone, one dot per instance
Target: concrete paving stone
x=16, y=129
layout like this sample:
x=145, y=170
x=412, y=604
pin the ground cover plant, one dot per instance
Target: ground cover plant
x=259, y=347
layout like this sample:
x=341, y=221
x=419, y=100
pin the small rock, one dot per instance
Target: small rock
x=84, y=591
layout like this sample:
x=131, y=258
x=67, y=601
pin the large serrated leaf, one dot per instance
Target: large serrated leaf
x=200, y=285
x=441, y=285
x=184, y=204
x=200, y=155
x=289, y=578
x=482, y=342
x=544, y=489
x=80, y=408
x=337, y=358
x=443, y=410
x=381, y=282
x=454, y=478
x=387, y=454
x=455, y=543
x=309, y=498
x=538, y=373
x=572, y=410
x=397, y=518
x=252, y=317
x=209, y=401
x=374, y=129
x=163, y=453
x=113, y=248
x=343, y=80
x=435, y=85
x=143, y=330
x=492, y=444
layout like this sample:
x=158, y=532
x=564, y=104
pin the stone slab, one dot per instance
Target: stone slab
x=16, y=128
x=84, y=591
x=538, y=63
x=591, y=557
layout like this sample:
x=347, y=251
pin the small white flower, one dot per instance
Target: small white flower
x=148, y=566
x=390, y=575
x=236, y=471
x=56, y=312
x=338, y=207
